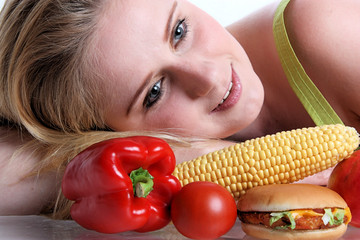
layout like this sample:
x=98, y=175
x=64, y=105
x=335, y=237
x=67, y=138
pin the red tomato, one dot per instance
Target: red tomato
x=203, y=210
x=345, y=180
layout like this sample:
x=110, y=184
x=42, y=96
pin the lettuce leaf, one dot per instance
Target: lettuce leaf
x=328, y=217
x=339, y=216
x=275, y=216
x=333, y=219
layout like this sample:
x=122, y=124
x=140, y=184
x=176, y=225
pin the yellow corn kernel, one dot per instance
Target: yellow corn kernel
x=283, y=157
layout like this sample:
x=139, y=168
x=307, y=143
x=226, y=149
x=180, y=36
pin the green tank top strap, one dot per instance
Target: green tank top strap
x=314, y=102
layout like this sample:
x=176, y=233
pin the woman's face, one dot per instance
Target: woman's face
x=170, y=66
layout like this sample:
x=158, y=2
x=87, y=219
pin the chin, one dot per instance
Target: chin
x=244, y=130
x=248, y=117
x=234, y=131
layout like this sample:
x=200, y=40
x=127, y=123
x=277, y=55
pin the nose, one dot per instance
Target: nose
x=198, y=77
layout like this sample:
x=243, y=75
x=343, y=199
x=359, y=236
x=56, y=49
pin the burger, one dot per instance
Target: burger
x=293, y=211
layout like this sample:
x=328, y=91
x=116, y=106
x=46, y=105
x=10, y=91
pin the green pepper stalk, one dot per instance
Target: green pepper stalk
x=142, y=182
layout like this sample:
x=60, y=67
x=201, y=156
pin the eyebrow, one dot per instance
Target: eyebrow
x=170, y=20
x=148, y=78
x=138, y=92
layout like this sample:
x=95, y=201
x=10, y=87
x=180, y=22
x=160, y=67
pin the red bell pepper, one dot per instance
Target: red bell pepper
x=102, y=178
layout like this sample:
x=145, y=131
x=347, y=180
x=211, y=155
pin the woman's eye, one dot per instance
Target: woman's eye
x=153, y=95
x=180, y=31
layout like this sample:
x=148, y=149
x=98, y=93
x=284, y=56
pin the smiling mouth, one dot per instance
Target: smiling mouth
x=227, y=94
x=232, y=95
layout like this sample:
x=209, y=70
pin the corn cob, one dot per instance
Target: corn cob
x=283, y=157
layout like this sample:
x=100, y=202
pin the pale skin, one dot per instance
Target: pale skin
x=19, y=196
x=194, y=75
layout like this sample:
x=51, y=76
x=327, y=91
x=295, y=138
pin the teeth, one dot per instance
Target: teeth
x=227, y=94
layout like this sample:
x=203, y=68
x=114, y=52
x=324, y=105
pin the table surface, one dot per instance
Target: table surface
x=42, y=228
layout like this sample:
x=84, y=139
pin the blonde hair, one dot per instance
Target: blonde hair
x=48, y=75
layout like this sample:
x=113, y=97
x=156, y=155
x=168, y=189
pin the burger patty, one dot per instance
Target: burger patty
x=302, y=223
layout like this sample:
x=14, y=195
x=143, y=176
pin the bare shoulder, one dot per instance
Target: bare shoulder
x=309, y=15
x=325, y=29
x=326, y=37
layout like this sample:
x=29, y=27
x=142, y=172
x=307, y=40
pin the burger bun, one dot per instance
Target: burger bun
x=284, y=197
x=262, y=232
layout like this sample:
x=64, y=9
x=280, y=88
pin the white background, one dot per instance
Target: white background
x=228, y=11
x=225, y=11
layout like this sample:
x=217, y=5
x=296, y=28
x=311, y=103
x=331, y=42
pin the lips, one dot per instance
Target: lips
x=227, y=93
x=232, y=95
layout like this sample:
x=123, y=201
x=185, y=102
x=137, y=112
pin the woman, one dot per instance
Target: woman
x=75, y=73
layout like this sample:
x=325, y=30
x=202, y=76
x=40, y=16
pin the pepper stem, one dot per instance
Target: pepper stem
x=142, y=182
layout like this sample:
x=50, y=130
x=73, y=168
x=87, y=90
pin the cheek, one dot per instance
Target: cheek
x=210, y=33
x=176, y=117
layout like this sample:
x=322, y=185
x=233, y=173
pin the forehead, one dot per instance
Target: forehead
x=129, y=20
x=131, y=28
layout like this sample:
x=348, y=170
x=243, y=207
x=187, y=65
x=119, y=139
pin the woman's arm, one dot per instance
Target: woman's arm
x=21, y=195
